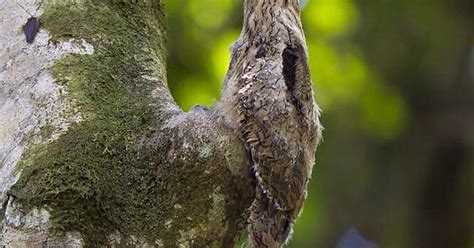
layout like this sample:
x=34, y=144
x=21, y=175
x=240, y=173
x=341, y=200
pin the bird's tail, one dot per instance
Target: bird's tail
x=269, y=226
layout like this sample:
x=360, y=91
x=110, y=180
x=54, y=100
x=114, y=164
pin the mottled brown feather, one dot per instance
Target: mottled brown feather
x=268, y=97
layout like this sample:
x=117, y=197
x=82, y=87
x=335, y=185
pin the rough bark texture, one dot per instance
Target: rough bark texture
x=93, y=149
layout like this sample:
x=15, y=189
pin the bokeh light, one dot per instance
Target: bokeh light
x=394, y=83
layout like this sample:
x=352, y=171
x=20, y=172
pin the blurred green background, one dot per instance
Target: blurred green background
x=395, y=81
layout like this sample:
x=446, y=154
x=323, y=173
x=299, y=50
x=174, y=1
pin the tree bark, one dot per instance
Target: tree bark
x=93, y=149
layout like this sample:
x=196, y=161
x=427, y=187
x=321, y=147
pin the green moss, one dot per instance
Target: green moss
x=99, y=177
x=46, y=131
x=95, y=179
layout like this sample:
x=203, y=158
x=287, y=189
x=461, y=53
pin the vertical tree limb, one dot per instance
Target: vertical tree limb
x=94, y=151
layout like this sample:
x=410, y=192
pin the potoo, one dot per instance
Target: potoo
x=268, y=98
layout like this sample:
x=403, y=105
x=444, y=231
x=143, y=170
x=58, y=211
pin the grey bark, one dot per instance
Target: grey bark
x=93, y=149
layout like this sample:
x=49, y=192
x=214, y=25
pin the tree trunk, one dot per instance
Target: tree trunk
x=93, y=149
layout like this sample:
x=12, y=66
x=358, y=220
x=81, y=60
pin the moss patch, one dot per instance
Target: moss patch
x=95, y=179
x=109, y=173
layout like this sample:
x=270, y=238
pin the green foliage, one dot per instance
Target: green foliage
x=377, y=66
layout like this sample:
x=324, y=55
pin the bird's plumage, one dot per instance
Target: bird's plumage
x=268, y=97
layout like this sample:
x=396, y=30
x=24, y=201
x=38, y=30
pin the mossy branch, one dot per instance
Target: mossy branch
x=132, y=168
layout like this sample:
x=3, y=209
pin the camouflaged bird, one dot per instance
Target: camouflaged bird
x=267, y=96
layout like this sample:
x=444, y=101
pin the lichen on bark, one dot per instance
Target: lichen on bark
x=135, y=164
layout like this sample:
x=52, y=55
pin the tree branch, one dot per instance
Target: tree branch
x=108, y=157
x=93, y=149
